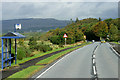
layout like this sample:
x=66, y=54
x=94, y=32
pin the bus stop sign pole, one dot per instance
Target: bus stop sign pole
x=17, y=27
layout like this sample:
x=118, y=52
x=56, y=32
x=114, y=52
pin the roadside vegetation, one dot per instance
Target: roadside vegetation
x=92, y=28
x=116, y=42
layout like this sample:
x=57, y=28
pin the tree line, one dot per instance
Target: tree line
x=92, y=28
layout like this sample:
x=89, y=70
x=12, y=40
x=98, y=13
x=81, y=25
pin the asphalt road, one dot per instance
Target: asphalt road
x=78, y=64
x=106, y=62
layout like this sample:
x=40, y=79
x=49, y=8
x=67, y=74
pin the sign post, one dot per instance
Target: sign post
x=65, y=36
x=17, y=27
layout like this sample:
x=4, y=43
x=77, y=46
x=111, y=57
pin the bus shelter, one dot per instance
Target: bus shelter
x=6, y=48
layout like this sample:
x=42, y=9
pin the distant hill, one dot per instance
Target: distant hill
x=33, y=24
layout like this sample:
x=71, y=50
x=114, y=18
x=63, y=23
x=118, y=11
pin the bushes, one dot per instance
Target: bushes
x=61, y=45
x=28, y=52
x=32, y=43
x=21, y=53
x=55, y=40
x=21, y=42
x=43, y=47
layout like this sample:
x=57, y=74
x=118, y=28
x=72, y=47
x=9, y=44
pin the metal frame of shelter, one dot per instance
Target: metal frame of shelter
x=6, y=48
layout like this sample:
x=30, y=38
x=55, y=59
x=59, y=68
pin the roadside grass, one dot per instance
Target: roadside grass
x=26, y=73
x=116, y=42
x=54, y=57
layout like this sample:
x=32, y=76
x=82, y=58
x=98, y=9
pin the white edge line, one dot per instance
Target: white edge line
x=51, y=66
x=94, y=69
x=114, y=50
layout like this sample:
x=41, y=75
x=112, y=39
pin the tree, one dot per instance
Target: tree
x=108, y=21
x=79, y=36
x=100, y=19
x=77, y=19
x=71, y=21
x=100, y=29
x=113, y=32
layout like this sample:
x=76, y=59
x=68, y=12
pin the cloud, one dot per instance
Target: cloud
x=59, y=10
x=59, y=0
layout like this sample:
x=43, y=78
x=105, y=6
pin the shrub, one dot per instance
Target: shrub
x=55, y=39
x=44, y=48
x=21, y=53
x=27, y=52
x=32, y=43
x=21, y=42
x=61, y=45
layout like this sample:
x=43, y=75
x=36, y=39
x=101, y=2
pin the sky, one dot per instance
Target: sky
x=60, y=10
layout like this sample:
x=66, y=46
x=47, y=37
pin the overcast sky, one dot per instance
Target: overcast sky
x=59, y=10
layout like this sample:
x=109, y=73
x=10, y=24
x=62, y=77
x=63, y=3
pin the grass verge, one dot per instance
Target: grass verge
x=116, y=42
x=26, y=73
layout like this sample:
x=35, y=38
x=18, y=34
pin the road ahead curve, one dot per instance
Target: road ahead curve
x=78, y=64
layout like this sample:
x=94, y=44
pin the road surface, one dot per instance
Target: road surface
x=78, y=64
x=106, y=62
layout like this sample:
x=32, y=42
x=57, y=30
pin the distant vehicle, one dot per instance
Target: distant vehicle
x=93, y=40
x=103, y=41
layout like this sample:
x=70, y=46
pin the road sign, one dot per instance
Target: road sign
x=18, y=26
x=65, y=36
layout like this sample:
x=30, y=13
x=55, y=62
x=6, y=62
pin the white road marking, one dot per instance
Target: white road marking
x=94, y=70
x=94, y=56
x=93, y=61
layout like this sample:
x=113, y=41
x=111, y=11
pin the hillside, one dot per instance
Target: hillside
x=33, y=24
x=92, y=28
